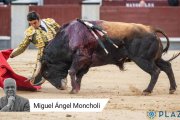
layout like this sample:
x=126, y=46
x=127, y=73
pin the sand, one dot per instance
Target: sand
x=123, y=88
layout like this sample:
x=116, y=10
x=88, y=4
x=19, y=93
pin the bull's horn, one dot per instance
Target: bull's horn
x=39, y=83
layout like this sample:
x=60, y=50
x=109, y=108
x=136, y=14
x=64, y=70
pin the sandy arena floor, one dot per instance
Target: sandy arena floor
x=122, y=88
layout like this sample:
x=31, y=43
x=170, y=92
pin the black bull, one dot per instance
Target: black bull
x=74, y=50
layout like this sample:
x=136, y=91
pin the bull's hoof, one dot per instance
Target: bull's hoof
x=74, y=91
x=171, y=91
x=63, y=88
x=145, y=93
x=63, y=84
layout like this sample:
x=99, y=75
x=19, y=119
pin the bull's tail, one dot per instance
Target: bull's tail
x=174, y=56
x=167, y=45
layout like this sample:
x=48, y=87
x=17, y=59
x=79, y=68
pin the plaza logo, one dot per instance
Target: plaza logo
x=151, y=114
x=163, y=115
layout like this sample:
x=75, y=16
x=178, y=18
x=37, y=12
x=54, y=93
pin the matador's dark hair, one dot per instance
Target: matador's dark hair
x=33, y=16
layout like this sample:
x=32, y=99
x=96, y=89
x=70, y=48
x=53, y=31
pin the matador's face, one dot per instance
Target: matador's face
x=35, y=23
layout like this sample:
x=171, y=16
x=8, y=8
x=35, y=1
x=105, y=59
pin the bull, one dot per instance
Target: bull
x=75, y=49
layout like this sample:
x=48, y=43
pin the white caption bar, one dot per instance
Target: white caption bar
x=67, y=105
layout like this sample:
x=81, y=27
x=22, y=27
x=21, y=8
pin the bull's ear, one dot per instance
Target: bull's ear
x=46, y=73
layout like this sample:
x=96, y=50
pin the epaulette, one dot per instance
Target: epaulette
x=29, y=31
x=49, y=21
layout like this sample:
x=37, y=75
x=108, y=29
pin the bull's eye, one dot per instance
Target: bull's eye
x=46, y=73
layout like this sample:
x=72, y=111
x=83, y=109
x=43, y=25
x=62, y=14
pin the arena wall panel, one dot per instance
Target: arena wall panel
x=166, y=18
x=5, y=21
x=61, y=13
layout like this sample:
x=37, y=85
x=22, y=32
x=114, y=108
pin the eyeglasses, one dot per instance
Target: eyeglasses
x=8, y=87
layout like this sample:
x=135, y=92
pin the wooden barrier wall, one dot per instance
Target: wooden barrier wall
x=5, y=21
x=123, y=2
x=56, y=2
x=166, y=18
x=61, y=13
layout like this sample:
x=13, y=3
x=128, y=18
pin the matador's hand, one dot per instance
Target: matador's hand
x=11, y=100
x=11, y=56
